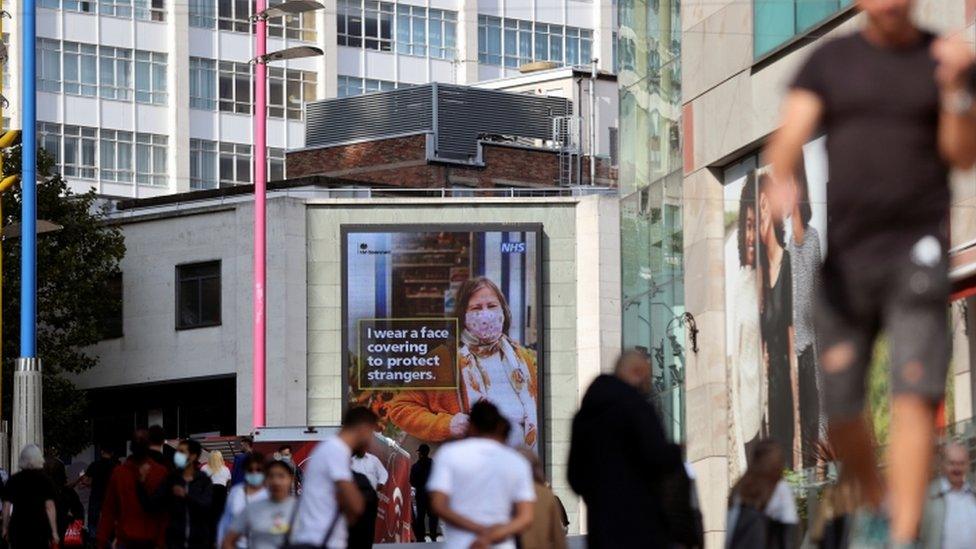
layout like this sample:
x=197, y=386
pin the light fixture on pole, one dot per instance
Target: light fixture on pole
x=261, y=59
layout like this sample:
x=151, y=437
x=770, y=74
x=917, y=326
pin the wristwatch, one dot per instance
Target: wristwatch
x=958, y=102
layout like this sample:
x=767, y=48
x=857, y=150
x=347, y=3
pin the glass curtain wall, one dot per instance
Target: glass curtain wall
x=650, y=178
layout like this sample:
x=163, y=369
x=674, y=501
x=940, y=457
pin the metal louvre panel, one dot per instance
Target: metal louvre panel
x=370, y=116
x=464, y=114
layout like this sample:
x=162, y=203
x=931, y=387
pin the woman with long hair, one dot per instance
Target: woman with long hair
x=806, y=257
x=762, y=509
x=776, y=319
x=547, y=530
x=216, y=468
x=491, y=365
x=745, y=358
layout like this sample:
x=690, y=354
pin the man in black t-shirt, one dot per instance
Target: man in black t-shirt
x=893, y=102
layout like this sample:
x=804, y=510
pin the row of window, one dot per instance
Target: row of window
x=111, y=155
x=384, y=26
x=214, y=164
x=513, y=42
x=776, y=22
x=124, y=156
x=146, y=10
x=235, y=15
x=111, y=73
x=228, y=86
x=355, y=85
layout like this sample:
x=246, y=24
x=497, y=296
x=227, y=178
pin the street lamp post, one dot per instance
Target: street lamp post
x=262, y=14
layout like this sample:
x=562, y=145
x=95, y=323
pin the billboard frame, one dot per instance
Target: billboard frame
x=542, y=367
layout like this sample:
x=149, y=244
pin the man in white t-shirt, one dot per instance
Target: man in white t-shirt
x=481, y=488
x=330, y=498
x=372, y=468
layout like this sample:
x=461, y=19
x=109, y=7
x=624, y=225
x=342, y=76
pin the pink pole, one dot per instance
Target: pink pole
x=260, y=213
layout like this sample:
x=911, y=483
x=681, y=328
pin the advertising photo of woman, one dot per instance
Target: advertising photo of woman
x=776, y=319
x=805, y=255
x=491, y=366
x=745, y=363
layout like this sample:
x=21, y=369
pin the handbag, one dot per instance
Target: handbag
x=74, y=535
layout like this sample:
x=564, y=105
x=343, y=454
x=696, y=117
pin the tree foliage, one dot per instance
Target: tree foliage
x=76, y=265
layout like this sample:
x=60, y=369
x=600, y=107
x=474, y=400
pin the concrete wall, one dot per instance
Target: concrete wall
x=730, y=105
x=152, y=350
x=581, y=297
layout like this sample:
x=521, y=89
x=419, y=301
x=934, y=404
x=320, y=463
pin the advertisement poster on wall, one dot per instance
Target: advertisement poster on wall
x=437, y=318
x=772, y=259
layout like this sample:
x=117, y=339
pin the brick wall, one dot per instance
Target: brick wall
x=402, y=162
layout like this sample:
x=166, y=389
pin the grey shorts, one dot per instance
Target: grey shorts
x=906, y=297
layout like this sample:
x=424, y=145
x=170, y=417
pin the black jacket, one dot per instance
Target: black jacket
x=190, y=517
x=617, y=460
x=419, y=474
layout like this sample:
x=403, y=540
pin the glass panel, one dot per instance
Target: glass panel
x=773, y=24
x=811, y=12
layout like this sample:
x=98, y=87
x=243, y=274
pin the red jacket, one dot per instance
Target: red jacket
x=122, y=515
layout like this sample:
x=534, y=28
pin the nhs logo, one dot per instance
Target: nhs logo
x=513, y=247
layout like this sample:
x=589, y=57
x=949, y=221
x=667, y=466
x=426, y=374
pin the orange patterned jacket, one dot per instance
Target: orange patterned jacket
x=427, y=414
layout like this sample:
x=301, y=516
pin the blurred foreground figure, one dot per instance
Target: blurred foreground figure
x=619, y=458
x=894, y=103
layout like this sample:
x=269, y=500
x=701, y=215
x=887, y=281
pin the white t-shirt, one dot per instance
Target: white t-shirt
x=370, y=466
x=782, y=504
x=237, y=500
x=483, y=480
x=329, y=463
x=959, y=531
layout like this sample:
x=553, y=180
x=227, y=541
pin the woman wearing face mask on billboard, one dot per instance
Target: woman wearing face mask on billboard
x=491, y=366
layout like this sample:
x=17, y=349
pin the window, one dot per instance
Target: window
x=300, y=26
x=234, y=89
x=235, y=163
x=116, y=8
x=442, y=33
x=115, y=155
x=79, y=152
x=150, y=10
x=349, y=23
x=549, y=42
x=151, y=159
x=52, y=4
x=6, y=66
x=115, y=80
x=288, y=91
x=578, y=46
x=203, y=14
x=776, y=22
x=84, y=6
x=411, y=34
x=203, y=84
x=48, y=65
x=517, y=42
x=378, y=25
x=80, y=69
x=198, y=295
x=203, y=164
x=489, y=40
x=354, y=85
x=49, y=139
x=110, y=322
x=234, y=15
x=276, y=164
x=151, y=77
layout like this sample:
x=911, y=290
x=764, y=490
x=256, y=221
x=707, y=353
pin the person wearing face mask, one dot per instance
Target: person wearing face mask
x=251, y=490
x=619, y=459
x=265, y=524
x=187, y=494
x=492, y=366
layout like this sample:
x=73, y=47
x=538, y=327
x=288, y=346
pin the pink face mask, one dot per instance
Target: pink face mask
x=485, y=324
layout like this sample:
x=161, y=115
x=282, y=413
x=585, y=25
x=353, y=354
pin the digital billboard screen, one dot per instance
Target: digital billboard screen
x=437, y=318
